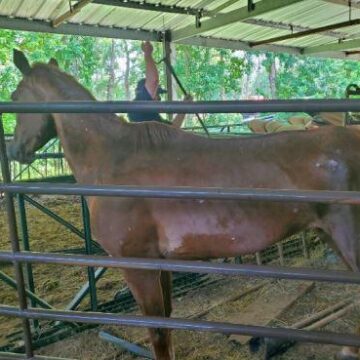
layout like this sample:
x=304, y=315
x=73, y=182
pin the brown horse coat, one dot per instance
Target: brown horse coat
x=104, y=149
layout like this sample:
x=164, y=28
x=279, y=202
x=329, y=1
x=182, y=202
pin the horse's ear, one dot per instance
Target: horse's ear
x=21, y=62
x=53, y=62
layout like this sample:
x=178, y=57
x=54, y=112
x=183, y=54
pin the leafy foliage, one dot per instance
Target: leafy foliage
x=111, y=68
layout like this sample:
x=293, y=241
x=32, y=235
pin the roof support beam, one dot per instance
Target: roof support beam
x=307, y=32
x=261, y=7
x=221, y=7
x=290, y=27
x=76, y=29
x=235, y=45
x=344, y=3
x=72, y=12
x=152, y=7
x=339, y=46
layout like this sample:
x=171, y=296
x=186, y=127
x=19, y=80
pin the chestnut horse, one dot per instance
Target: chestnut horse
x=105, y=149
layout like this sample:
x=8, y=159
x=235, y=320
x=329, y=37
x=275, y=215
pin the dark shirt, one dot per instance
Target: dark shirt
x=141, y=95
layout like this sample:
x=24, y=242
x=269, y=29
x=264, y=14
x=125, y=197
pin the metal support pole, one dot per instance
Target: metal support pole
x=181, y=86
x=34, y=298
x=304, y=245
x=132, y=348
x=88, y=249
x=168, y=77
x=258, y=258
x=84, y=290
x=54, y=216
x=281, y=253
x=13, y=236
x=26, y=245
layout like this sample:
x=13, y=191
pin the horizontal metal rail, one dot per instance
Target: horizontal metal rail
x=342, y=197
x=185, y=192
x=244, y=106
x=41, y=156
x=12, y=356
x=182, y=324
x=183, y=266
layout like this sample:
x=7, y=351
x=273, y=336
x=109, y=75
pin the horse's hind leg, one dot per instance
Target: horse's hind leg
x=342, y=225
x=348, y=353
x=147, y=288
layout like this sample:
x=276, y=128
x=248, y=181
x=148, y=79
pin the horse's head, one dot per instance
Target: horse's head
x=32, y=130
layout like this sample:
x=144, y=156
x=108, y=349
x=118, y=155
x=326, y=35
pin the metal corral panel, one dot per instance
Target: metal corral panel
x=224, y=23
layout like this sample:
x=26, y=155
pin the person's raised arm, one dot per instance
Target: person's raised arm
x=152, y=74
x=179, y=118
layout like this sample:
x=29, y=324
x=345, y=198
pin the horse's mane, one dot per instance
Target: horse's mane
x=143, y=135
x=70, y=88
x=152, y=135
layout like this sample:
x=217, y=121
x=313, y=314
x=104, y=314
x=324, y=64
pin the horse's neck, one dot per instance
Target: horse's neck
x=86, y=138
x=86, y=145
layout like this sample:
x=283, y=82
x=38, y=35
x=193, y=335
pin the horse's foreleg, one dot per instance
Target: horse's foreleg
x=147, y=288
x=166, y=285
x=347, y=353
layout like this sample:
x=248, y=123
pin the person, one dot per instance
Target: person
x=148, y=89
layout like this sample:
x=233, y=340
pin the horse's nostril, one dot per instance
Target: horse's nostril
x=10, y=152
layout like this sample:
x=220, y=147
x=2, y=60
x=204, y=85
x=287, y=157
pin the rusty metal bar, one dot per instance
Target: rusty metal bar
x=183, y=266
x=206, y=107
x=306, y=32
x=185, y=192
x=14, y=239
x=320, y=337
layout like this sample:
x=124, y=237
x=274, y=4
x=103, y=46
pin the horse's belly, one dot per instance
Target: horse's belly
x=209, y=229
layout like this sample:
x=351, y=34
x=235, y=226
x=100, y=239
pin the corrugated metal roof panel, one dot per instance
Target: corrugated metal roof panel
x=304, y=14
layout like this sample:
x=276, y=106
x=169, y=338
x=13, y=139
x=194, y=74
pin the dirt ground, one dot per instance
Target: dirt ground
x=57, y=284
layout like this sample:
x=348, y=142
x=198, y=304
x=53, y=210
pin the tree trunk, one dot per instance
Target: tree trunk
x=249, y=81
x=272, y=80
x=111, y=71
x=127, y=70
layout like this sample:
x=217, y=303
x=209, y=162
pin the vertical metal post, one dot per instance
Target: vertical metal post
x=281, y=253
x=168, y=76
x=258, y=258
x=238, y=260
x=13, y=236
x=26, y=244
x=88, y=249
x=304, y=245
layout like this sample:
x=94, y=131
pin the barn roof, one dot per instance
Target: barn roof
x=216, y=23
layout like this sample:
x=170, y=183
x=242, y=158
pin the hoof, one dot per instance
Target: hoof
x=346, y=356
x=255, y=344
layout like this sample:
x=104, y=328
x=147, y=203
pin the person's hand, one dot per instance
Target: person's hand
x=188, y=98
x=147, y=48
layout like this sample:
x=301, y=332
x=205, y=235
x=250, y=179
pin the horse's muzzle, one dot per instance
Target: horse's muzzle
x=14, y=153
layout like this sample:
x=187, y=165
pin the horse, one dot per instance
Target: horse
x=106, y=149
